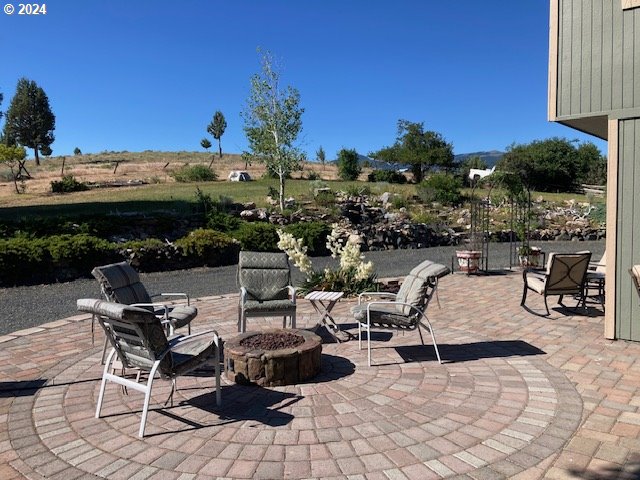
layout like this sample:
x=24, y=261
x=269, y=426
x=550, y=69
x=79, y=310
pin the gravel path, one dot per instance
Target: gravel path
x=25, y=307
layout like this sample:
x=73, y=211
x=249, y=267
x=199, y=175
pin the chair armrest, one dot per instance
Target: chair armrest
x=292, y=292
x=155, y=305
x=243, y=295
x=378, y=302
x=375, y=294
x=181, y=295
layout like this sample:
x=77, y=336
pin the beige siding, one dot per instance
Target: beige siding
x=627, y=306
x=598, y=54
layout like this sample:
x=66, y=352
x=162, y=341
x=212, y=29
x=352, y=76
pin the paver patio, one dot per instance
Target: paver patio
x=518, y=396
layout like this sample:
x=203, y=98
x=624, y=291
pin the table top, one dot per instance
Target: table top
x=319, y=295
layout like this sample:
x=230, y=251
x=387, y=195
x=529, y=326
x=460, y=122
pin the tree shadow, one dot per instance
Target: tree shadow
x=466, y=352
x=628, y=471
x=26, y=388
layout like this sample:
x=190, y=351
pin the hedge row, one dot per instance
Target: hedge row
x=27, y=259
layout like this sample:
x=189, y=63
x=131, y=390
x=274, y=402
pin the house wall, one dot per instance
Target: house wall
x=627, y=235
x=598, y=51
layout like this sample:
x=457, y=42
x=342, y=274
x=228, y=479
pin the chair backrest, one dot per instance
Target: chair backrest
x=601, y=266
x=120, y=283
x=265, y=275
x=137, y=334
x=419, y=286
x=635, y=276
x=566, y=272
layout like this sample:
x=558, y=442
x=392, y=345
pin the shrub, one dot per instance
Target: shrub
x=77, y=151
x=23, y=260
x=358, y=190
x=68, y=184
x=313, y=175
x=151, y=255
x=386, y=176
x=313, y=235
x=27, y=260
x=398, y=202
x=257, y=237
x=208, y=247
x=76, y=255
x=222, y=222
x=442, y=188
x=194, y=173
x=325, y=199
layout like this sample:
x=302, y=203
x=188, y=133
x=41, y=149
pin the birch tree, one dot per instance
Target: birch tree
x=272, y=123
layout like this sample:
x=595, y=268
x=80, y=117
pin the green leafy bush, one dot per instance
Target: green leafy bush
x=222, y=222
x=442, y=188
x=194, y=173
x=208, y=247
x=76, y=255
x=27, y=260
x=23, y=260
x=257, y=237
x=68, y=184
x=313, y=175
x=313, y=235
x=386, y=176
x=357, y=190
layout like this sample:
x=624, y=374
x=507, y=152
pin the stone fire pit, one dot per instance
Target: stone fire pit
x=273, y=357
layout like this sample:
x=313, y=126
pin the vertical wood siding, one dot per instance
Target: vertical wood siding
x=598, y=55
x=628, y=230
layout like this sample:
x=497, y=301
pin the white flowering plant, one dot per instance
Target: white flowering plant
x=353, y=275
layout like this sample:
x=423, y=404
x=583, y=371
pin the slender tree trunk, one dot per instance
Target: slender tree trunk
x=219, y=148
x=281, y=174
x=15, y=180
x=211, y=162
x=35, y=152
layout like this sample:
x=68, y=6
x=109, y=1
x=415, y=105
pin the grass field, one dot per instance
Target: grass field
x=162, y=192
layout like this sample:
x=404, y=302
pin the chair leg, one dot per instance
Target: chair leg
x=524, y=296
x=147, y=399
x=546, y=305
x=103, y=385
x=433, y=337
x=293, y=320
x=217, y=369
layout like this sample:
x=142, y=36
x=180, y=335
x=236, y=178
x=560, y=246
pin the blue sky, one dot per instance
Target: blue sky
x=148, y=75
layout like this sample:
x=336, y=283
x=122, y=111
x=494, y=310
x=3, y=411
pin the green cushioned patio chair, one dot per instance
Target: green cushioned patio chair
x=120, y=283
x=264, y=279
x=404, y=310
x=139, y=342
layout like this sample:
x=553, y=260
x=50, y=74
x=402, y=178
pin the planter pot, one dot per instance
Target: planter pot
x=532, y=259
x=468, y=260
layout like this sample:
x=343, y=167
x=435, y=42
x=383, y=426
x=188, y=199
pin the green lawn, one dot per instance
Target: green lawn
x=178, y=197
x=181, y=197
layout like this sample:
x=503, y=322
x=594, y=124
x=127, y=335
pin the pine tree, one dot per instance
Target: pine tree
x=29, y=120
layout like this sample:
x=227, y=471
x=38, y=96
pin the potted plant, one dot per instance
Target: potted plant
x=468, y=260
x=530, y=256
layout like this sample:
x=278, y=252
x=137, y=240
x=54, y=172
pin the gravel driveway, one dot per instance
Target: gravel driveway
x=24, y=307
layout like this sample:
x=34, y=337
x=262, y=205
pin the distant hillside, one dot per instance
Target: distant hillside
x=490, y=158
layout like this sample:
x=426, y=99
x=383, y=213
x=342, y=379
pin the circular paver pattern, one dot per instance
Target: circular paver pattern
x=492, y=406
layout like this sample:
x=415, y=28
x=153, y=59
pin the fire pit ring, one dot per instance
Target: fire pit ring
x=253, y=358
